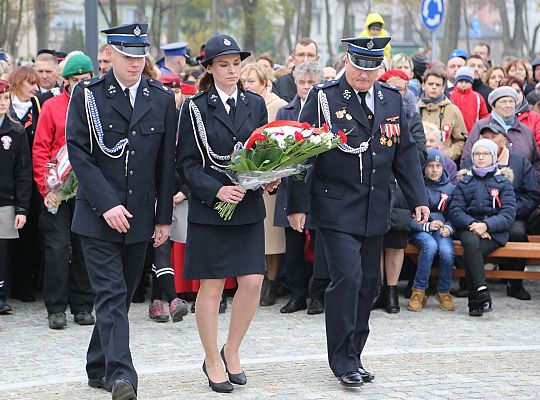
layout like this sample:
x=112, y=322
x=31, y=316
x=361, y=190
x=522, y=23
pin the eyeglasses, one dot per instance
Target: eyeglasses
x=481, y=154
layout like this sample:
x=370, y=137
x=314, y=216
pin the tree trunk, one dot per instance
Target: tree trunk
x=329, y=42
x=306, y=25
x=346, y=32
x=533, y=45
x=519, y=40
x=41, y=18
x=104, y=13
x=173, y=23
x=13, y=33
x=114, y=12
x=157, y=18
x=299, y=20
x=250, y=20
x=467, y=27
x=451, y=26
x=507, y=39
x=141, y=11
x=284, y=43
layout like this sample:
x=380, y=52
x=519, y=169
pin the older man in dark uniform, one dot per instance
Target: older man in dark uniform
x=121, y=141
x=348, y=196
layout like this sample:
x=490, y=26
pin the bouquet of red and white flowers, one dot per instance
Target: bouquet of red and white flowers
x=274, y=151
x=60, y=178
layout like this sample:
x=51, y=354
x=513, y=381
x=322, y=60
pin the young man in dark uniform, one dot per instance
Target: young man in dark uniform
x=121, y=130
x=348, y=196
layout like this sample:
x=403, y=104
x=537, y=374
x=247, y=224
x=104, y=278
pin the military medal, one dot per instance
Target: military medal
x=389, y=143
x=348, y=116
x=340, y=114
x=382, y=140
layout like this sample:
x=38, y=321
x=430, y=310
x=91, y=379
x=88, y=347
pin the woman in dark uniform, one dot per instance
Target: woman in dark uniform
x=211, y=124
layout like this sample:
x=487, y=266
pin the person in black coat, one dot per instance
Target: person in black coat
x=527, y=200
x=15, y=185
x=212, y=123
x=121, y=132
x=348, y=197
x=483, y=210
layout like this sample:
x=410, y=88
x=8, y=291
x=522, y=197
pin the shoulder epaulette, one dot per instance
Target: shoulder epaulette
x=157, y=83
x=92, y=81
x=386, y=85
x=326, y=84
x=252, y=93
x=196, y=95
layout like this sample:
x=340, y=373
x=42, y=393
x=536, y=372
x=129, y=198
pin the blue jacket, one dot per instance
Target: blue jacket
x=524, y=183
x=438, y=208
x=473, y=202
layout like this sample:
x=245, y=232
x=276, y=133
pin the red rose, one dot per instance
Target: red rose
x=325, y=127
x=298, y=137
x=305, y=125
x=342, y=136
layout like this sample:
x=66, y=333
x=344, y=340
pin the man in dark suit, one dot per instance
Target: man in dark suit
x=304, y=50
x=299, y=271
x=120, y=131
x=348, y=197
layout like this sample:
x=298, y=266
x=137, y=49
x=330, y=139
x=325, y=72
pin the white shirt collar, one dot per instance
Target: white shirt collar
x=132, y=89
x=224, y=97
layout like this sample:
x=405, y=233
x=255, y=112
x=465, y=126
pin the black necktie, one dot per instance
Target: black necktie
x=232, y=104
x=126, y=92
x=365, y=107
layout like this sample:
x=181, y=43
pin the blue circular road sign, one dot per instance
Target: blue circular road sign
x=432, y=13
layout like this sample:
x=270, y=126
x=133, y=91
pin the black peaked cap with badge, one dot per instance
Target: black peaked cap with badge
x=221, y=45
x=366, y=52
x=129, y=39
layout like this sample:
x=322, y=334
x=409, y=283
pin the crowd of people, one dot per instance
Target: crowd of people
x=474, y=133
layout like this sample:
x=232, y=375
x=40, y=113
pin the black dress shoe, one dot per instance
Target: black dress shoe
x=237, y=379
x=351, y=379
x=223, y=305
x=366, y=375
x=315, y=307
x=98, y=383
x=123, y=390
x=392, y=300
x=518, y=292
x=462, y=291
x=294, y=304
x=220, y=387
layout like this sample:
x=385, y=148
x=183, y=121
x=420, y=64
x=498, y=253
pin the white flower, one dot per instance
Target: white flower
x=316, y=139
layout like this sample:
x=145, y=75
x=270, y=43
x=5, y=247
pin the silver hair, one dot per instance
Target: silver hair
x=308, y=68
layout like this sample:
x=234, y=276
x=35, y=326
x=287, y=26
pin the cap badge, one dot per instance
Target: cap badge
x=80, y=70
x=6, y=142
x=347, y=94
x=226, y=42
x=213, y=98
x=145, y=92
x=137, y=31
x=111, y=90
x=437, y=159
x=370, y=44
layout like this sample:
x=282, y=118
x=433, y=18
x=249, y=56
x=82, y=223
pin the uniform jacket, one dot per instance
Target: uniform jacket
x=38, y=102
x=473, y=202
x=436, y=193
x=370, y=19
x=523, y=182
x=446, y=113
x=15, y=167
x=142, y=179
x=519, y=139
x=195, y=168
x=471, y=104
x=334, y=193
x=49, y=137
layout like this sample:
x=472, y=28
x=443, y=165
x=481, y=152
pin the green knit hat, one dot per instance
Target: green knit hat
x=76, y=65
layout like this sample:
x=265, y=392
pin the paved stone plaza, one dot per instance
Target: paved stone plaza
x=427, y=355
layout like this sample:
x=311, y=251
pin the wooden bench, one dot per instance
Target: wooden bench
x=529, y=251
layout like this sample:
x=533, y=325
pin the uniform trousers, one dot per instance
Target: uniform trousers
x=65, y=279
x=114, y=270
x=353, y=264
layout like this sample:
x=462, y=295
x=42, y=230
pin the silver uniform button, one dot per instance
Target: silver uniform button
x=132, y=152
x=373, y=170
x=131, y=173
x=130, y=191
x=152, y=129
x=110, y=125
x=373, y=188
x=374, y=153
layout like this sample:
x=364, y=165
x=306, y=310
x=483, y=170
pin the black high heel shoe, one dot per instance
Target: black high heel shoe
x=221, y=387
x=238, y=379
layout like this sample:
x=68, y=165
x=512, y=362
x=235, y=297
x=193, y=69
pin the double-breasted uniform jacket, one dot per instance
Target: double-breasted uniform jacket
x=198, y=169
x=336, y=193
x=142, y=179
